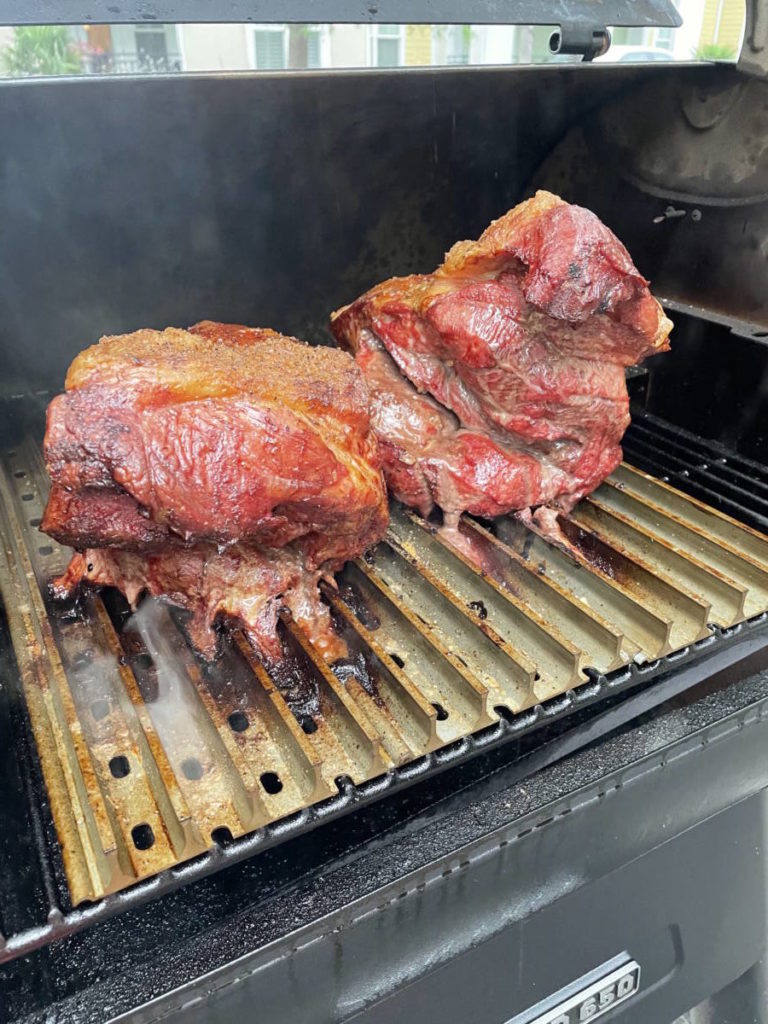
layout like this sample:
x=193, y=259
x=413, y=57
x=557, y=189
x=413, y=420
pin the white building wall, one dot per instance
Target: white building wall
x=214, y=47
x=492, y=44
x=348, y=46
x=686, y=38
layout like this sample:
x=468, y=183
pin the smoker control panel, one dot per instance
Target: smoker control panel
x=589, y=997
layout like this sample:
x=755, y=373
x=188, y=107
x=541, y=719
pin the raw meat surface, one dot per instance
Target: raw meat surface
x=521, y=340
x=225, y=467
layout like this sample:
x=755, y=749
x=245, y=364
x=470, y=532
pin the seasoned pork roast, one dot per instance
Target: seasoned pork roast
x=497, y=382
x=218, y=466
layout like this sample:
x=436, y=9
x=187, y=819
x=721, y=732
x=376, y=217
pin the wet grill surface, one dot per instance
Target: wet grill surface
x=151, y=757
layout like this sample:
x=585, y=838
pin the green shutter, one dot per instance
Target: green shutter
x=313, y=49
x=268, y=49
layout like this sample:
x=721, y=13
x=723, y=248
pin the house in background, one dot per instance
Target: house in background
x=722, y=26
x=710, y=28
x=129, y=49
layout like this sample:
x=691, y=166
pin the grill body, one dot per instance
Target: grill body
x=636, y=824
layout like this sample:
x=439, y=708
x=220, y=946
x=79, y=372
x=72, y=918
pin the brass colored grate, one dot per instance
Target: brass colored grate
x=151, y=757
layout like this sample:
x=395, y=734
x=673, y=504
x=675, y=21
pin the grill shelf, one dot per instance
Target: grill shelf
x=152, y=759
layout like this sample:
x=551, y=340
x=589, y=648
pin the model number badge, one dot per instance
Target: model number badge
x=590, y=1001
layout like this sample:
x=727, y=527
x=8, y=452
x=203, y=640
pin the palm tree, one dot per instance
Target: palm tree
x=40, y=50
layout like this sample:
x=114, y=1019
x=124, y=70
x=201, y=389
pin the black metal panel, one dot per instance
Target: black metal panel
x=526, y=930
x=477, y=12
x=714, y=384
x=256, y=198
x=558, y=874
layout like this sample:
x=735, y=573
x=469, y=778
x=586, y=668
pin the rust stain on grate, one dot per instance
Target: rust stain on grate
x=150, y=756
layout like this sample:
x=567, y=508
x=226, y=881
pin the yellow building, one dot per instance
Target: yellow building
x=722, y=25
x=418, y=45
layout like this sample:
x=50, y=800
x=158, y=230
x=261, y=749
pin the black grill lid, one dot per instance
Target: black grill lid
x=582, y=13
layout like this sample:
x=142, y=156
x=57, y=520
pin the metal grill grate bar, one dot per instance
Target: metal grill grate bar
x=460, y=628
x=356, y=739
x=746, y=478
x=90, y=853
x=598, y=580
x=684, y=517
x=409, y=639
x=151, y=756
x=558, y=663
x=486, y=556
x=723, y=480
x=725, y=598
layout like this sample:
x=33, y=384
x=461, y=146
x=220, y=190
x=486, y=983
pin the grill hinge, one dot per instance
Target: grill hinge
x=753, y=58
x=579, y=37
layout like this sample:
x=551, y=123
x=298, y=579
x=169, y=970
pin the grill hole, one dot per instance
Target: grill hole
x=119, y=766
x=46, y=549
x=143, y=662
x=100, y=709
x=308, y=724
x=149, y=686
x=222, y=836
x=192, y=769
x=271, y=782
x=19, y=474
x=537, y=677
x=35, y=521
x=343, y=783
x=27, y=497
x=397, y=659
x=238, y=722
x=143, y=836
x=442, y=714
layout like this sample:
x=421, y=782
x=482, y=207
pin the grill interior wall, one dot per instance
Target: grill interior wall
x=267, y=199
x=242, y=182
x=713, y=383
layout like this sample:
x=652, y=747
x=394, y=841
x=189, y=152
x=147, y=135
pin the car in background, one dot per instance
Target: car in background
x=634, y=54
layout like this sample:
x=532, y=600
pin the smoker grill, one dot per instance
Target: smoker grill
x=533, y=765
x=150, y=756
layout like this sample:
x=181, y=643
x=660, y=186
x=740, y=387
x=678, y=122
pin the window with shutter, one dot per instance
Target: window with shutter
x=314, y=57
x=269, y=48
x=387, y=46
x=458, y=44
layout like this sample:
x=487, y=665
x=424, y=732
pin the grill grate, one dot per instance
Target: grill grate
x=707, y=470
x=151, y=757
